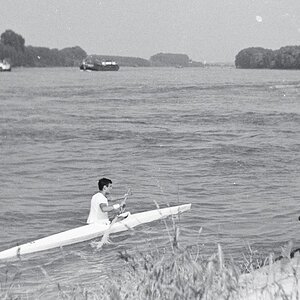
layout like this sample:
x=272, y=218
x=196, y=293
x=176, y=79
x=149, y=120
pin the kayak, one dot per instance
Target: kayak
x=91, y=231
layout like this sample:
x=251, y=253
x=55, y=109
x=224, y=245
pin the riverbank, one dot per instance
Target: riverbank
x=279, y=280
x=186, y=275
x=177, y=273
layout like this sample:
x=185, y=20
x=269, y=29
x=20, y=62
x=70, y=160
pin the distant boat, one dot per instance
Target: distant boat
x=4, y=66
x=99, y=66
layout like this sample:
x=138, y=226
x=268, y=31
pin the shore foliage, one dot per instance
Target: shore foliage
x=173, y=273
x=259, y=58
x=14, y=50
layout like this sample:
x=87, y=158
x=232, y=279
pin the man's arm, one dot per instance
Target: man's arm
x=118, y=199
x=107, y=208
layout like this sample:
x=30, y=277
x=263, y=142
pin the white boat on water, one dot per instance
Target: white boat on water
x=91, y=231
x=5, y=66
x=88, y=65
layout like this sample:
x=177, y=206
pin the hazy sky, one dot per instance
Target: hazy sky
x=206, y=30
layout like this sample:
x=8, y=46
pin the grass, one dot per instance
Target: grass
x=182, y=274
x=179, y=275
x=8, y=284
x=175, y=273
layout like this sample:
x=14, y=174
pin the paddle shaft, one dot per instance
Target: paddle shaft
x=125, y=198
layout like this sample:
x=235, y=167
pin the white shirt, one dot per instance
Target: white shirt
x=96, y=214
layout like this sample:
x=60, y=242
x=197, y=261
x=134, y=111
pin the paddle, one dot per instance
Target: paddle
x=124, y=201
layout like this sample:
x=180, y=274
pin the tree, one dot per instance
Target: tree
x=253, y=58
x=72, y=56
x=170, y=59
x=10, y=38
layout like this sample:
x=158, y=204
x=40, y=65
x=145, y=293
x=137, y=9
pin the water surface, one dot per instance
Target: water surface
x=225, y=140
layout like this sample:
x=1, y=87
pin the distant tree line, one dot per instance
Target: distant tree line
x=259, y=58
x=170, y=59
x=13, y=50
x=157, y=60
x=173, y=60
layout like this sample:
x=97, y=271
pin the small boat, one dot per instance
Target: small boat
x=99, y=66
x=5, y=66
x=91, y=231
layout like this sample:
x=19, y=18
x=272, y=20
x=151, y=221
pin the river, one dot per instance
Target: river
x=223, y=139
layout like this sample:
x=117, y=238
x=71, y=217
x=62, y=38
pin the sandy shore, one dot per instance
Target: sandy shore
x=280, y=280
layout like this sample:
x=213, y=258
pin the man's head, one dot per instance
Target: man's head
x=105, y=185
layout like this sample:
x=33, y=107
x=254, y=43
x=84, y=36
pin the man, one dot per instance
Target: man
x=99, y=203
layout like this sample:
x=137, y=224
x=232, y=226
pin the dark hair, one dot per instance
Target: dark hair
x=103, y=182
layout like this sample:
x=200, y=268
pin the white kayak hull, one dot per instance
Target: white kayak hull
x=91, y=231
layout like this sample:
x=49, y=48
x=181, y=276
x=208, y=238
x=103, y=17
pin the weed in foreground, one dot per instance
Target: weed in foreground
x=179, y=274
x=176, y=274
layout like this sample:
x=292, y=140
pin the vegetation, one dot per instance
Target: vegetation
x=181, y=275
x=257, y=58
x=186, y=274
x=174, y=273
x=173, y=60
x=45, y=57
x=13, y=50
x=169, y=59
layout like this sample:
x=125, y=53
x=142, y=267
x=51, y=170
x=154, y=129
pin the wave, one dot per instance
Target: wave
x=288, y=85
x=189, y=88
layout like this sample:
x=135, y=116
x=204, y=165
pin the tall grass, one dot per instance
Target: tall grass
x=177, y=273
x=8, y=284
x=182, y=274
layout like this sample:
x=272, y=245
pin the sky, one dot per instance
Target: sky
x=205, y=30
